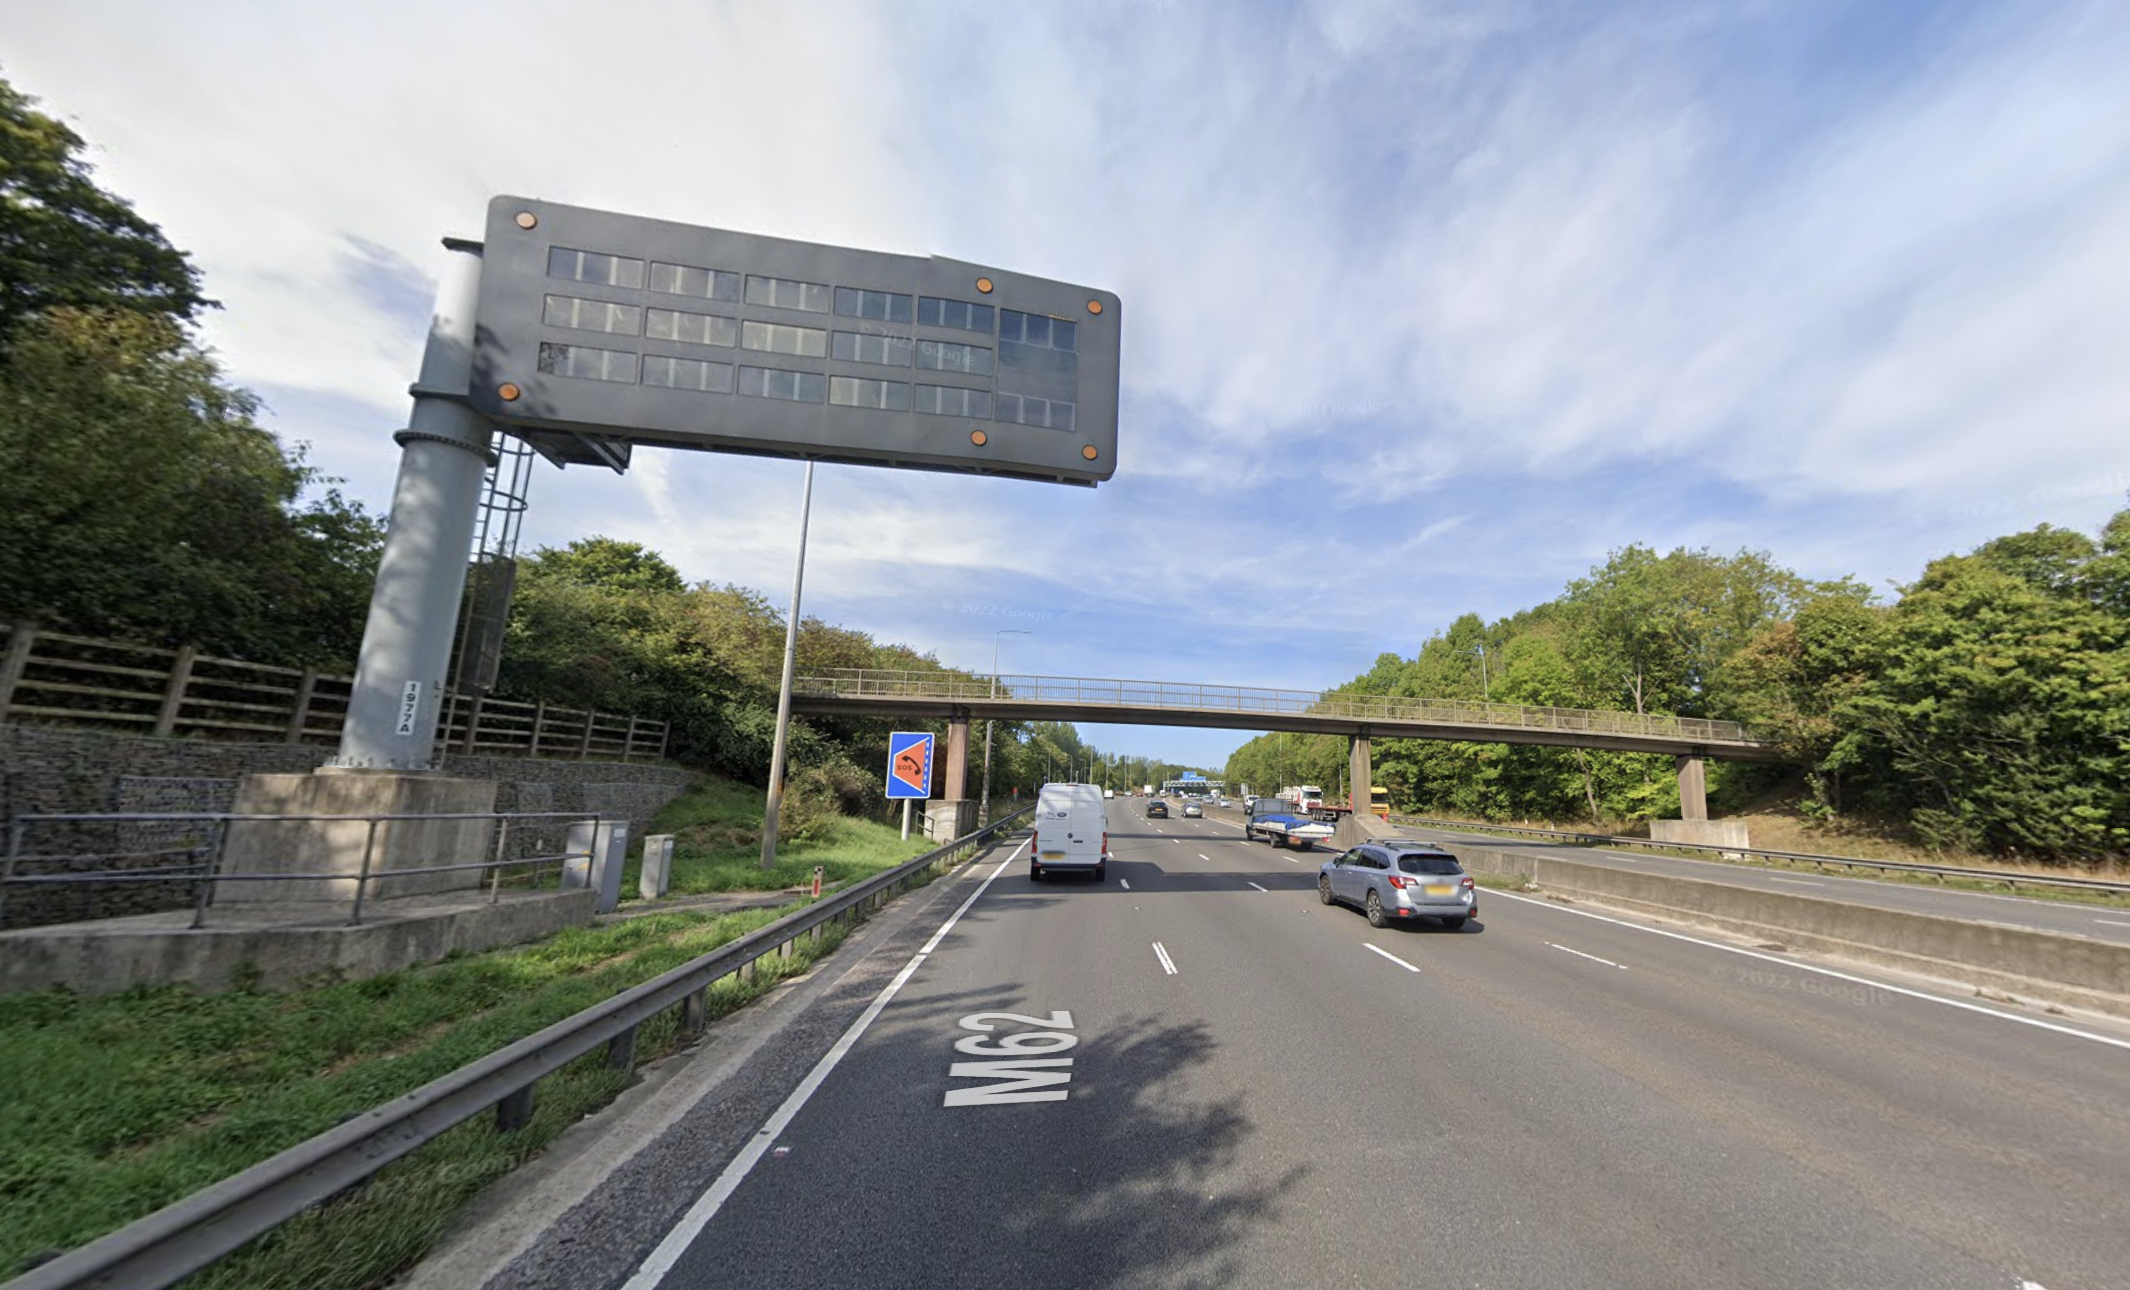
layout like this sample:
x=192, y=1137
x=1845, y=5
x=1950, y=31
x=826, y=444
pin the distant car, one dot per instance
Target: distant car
x=1157, y=810
x=1393, y=884
x=1224, y=804
x=1109, y=792
x=1193, y=810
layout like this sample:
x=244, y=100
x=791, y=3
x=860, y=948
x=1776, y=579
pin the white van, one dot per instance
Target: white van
x=1071, y=832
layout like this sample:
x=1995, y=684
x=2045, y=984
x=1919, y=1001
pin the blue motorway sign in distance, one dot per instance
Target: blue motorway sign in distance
x=909, y=765
x=599, y=331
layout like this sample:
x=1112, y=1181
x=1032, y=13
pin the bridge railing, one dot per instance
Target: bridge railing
x=1245, y=700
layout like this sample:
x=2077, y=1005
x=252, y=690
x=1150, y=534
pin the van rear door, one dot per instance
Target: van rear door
x=1071, y=826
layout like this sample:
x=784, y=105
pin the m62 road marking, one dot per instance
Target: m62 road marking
x=1026, y=1070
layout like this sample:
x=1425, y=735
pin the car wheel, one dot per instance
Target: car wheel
x=1308, y=845
x=1454, y=924
x=1278, y=841
x=1375, y=911
x=1323, y=890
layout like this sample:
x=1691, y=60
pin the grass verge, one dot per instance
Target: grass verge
x=717, y=846
x=118, y=1105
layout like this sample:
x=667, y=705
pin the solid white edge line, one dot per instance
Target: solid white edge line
x=1592, y=957
x=2112, y=922
x=652, y=1271
x=1168, y=964
x=1961, y=1004
x=1255, y=885
x=1392, y=957
x=1795, y=882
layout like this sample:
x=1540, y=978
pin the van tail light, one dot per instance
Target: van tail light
x=1035, y=843
x=1105, y=844
x=1400, y=881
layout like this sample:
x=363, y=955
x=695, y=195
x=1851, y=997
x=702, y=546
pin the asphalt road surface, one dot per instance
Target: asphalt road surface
x=1210, y=1079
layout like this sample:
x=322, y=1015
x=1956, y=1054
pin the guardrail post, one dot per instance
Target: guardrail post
x=214, y=865
x=495, y=880
x=621, y=1050
x=14, y=663
x=515, y=1111
x=694, y=1013
x=174, y=692
x=15, y=830
x=362, y=879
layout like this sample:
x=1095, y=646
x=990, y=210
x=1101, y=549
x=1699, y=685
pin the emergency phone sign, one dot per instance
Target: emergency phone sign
x=909, y=771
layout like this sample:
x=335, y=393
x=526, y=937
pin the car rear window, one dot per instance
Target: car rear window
x=1440, y=865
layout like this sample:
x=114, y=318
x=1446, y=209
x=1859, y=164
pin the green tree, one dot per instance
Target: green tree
x=2000, y=716
x=66, y=243
x=138, y=498
x=606, y=563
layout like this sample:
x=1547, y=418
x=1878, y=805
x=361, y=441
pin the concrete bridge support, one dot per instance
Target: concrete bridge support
x=1360, y=825
x=953, y=812
x=1359, y=772
x=1693, y=789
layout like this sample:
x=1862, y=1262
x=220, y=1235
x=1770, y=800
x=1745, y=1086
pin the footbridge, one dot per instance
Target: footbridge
x=960, y=699
x=852, y=692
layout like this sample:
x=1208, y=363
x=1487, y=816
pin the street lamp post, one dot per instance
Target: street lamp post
x=1486, y=689
x=983, y=809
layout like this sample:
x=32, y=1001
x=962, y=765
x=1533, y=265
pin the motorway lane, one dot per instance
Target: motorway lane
x=2100, y=923
x=1291, y=1107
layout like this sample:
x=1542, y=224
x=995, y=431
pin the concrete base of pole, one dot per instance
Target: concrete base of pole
x=947, y=819
x=337, y=846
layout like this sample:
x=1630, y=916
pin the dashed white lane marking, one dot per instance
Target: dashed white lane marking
x=1203, y=856
x=654, y=1268
x=2112, y=922
x=1797, y=882
x=1125, y=883
x=1255, y=885
x=1961, y=1004
x=1592, y=957
x=1392, y=957
x=1168, y=964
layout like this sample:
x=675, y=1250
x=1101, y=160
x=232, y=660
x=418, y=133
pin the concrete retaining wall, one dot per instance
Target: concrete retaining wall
x=2026, y=964
x=51, y=770
x=157, y=949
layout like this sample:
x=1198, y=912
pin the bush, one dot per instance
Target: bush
x=811, y=808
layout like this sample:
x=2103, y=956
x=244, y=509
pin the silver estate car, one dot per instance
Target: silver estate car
x=1395, y=884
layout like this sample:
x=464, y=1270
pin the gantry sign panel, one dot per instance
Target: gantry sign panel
x=598, y=331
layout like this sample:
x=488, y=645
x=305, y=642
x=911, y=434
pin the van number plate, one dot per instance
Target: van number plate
x=1053, y=855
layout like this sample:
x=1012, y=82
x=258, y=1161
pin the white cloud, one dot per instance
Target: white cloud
x=1564, y=280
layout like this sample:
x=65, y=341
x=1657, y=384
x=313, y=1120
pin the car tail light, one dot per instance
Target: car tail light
x=1467, y=881
x=1400, y=881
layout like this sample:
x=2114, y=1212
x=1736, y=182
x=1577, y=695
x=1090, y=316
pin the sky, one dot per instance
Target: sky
x=1428, y=304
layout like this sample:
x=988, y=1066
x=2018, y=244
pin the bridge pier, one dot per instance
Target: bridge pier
x=1359, y=772
x=952, y=814
x=1360, y=824
x=1693, y=788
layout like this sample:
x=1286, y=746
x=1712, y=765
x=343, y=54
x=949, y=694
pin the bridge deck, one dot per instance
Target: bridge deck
x=1054, y=698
